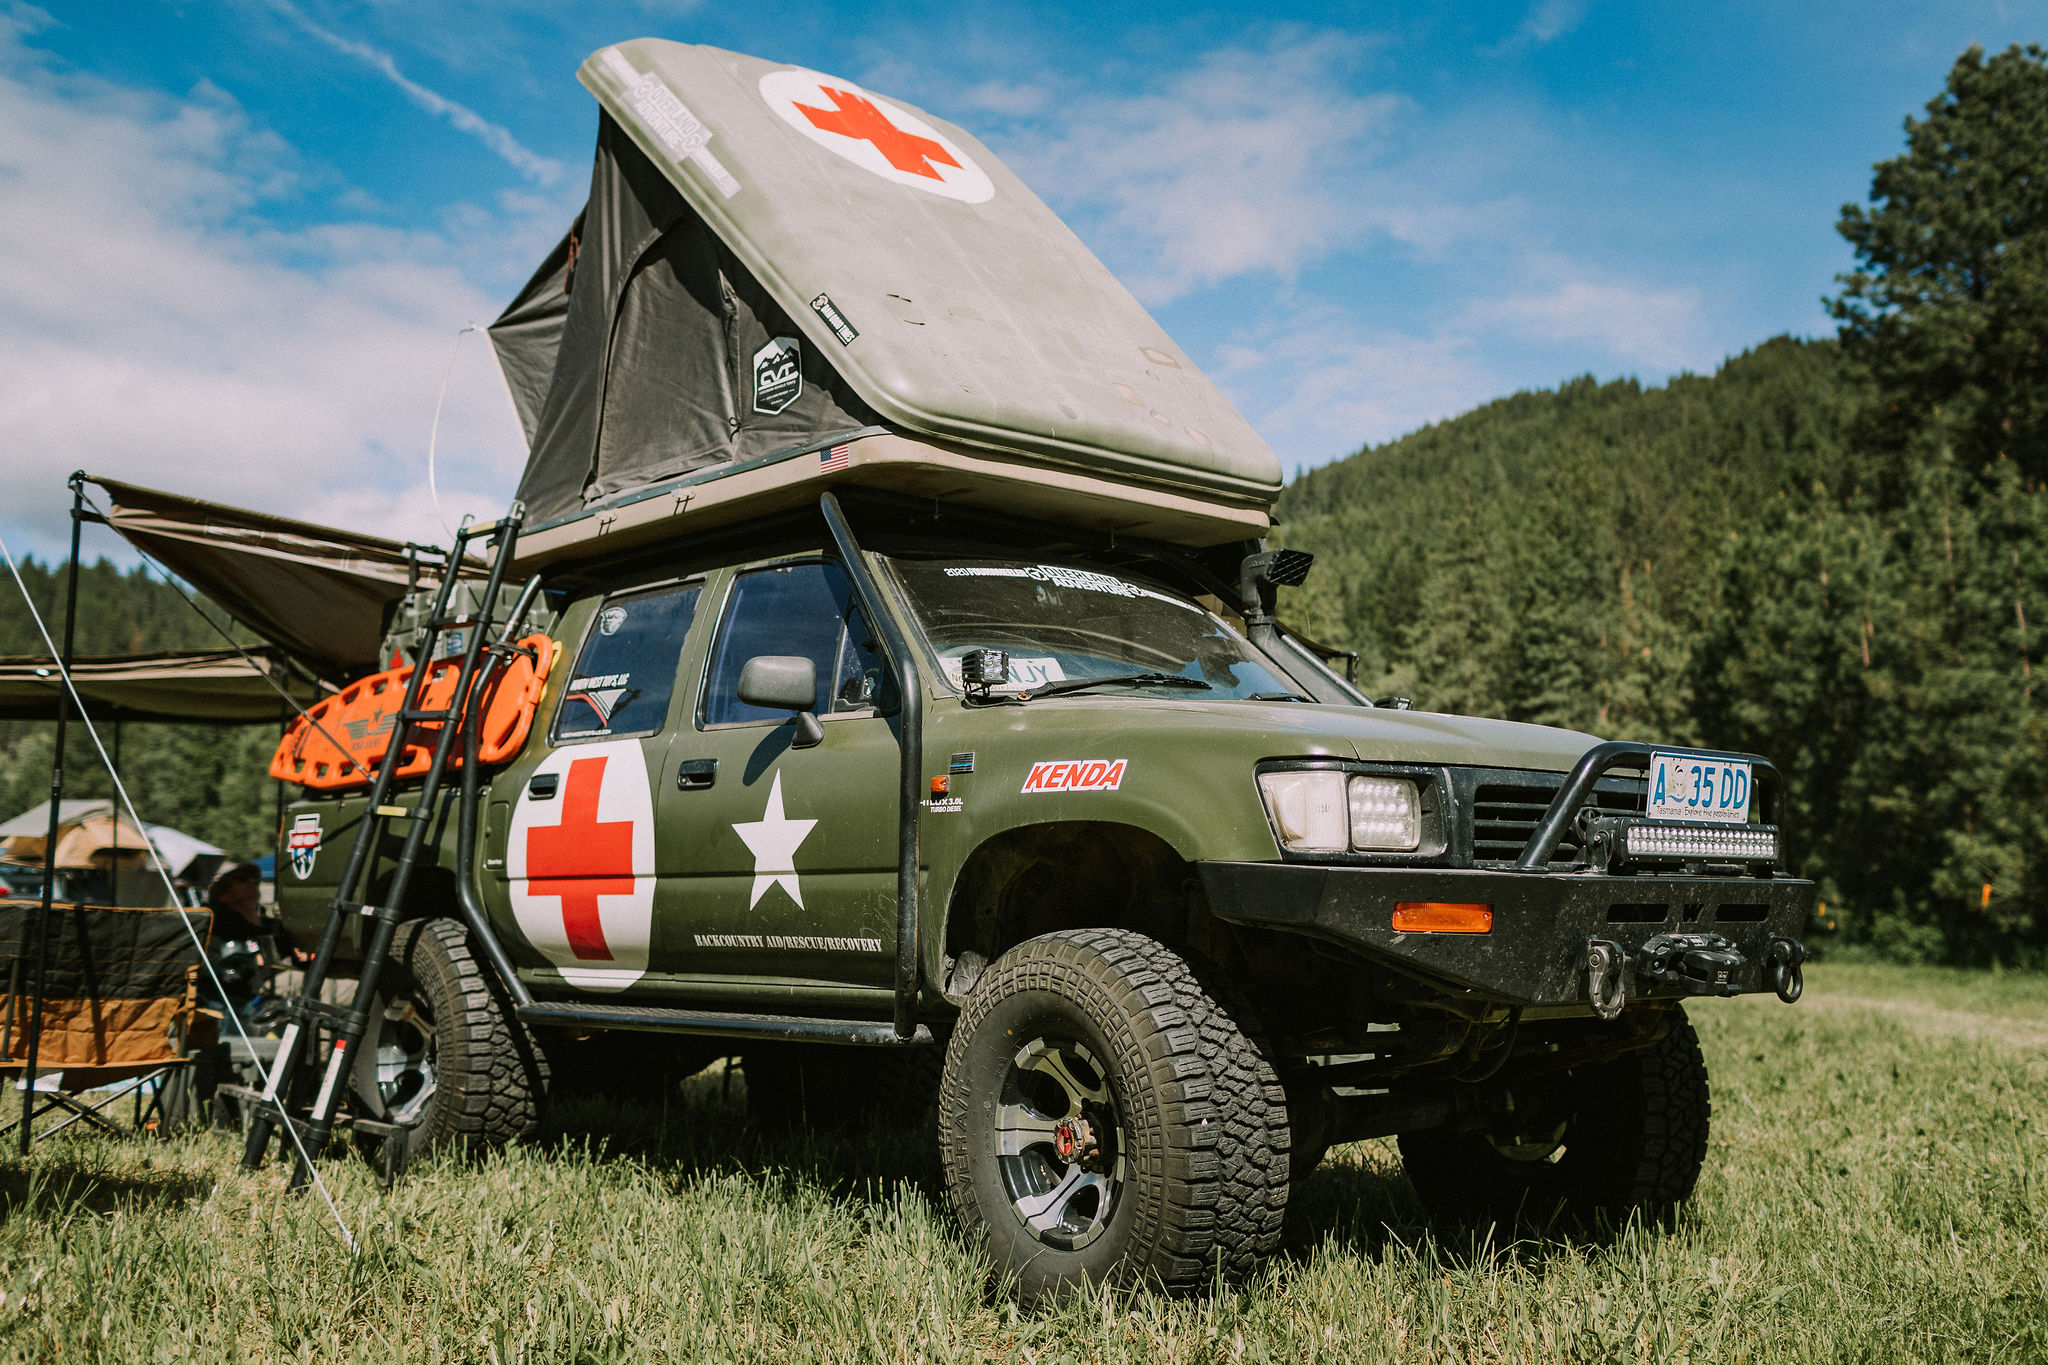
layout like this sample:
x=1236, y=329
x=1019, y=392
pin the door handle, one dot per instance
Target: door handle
x=542, y=786
x=695, y=774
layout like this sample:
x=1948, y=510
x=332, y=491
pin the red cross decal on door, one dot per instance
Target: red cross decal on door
x=855, y=117
x=581, y=859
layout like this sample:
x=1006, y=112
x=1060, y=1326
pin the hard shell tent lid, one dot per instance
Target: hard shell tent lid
x=218, y=686
x=318, y=593
x=761, y=237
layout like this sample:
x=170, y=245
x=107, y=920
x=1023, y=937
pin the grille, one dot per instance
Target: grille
x=1505, y=814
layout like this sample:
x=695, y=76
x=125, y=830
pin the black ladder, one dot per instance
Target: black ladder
x=299, y=1069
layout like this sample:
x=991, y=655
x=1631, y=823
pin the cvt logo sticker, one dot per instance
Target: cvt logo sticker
x=875, y=135
x=582, y=865
x=304, y=844
x=1077, y=775
x=778, y=375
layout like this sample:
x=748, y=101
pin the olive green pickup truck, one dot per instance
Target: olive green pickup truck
x=918, y=726
x=1185, y=908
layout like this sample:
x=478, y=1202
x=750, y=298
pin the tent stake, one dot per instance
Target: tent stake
x=35, y=1020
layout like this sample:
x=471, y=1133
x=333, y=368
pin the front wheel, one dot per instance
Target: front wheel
x=1104, y=1117
x=1616, y=1138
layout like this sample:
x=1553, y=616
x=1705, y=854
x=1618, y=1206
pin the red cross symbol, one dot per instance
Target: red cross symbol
x=581, y=859
x=855, y=117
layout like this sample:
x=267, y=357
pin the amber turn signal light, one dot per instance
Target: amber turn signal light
x=1442, y=917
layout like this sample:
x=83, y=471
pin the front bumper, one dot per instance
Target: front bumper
x=1543, y=923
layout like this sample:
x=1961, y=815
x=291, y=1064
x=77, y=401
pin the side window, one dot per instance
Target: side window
x=796, y=609
x=627, y=670
x=864, y=677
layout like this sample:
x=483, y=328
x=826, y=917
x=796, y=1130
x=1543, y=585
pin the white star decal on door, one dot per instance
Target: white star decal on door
x=774, y=839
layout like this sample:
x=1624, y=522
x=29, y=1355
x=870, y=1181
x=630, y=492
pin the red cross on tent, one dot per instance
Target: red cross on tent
x=581, y=859
x=858, y=118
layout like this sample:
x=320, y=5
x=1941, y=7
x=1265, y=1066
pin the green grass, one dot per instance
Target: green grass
x=1877, y=1191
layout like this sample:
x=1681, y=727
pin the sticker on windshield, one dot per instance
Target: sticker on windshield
x=1062, y=577
x=1077, y=775
x=1026, y=674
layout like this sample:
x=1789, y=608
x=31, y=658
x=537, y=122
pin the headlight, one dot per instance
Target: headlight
x=1326, y=811
x=1308, y=810
x=1386, y=814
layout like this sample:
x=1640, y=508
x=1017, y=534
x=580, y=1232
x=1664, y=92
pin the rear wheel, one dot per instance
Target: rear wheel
x=1613, y=1139
x=444, y=1058
x=1103, y=1117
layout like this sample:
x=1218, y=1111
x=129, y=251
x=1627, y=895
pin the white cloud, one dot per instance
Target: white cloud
x=1248, y=159
x=1656, y=329
x=1545, y=22
x=539, y=169
x=152, y=328
x=1322, y=386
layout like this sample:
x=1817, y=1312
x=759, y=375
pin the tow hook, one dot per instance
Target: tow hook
x=1605, y=989
x=1701, y=964
x=1781, y=968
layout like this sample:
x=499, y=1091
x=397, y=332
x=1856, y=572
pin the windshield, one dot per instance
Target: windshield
x=1062, y=624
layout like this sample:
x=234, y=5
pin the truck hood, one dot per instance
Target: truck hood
x=1368, y=733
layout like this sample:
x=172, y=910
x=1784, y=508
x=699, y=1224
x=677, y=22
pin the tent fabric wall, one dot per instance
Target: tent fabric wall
x=653, y=367
x=528, y=334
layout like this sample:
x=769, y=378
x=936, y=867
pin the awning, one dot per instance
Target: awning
x=318, y=593
x=219, y=686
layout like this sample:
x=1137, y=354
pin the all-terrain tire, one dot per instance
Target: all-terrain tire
x=489, y=1076
x=1197, y=1182
x=1634, y=1138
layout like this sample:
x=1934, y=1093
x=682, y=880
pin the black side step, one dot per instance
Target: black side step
x=653, y=1019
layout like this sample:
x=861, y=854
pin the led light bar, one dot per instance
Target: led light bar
x=1701, y=842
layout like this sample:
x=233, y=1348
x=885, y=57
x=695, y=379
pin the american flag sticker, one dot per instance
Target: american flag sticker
x=838, y=457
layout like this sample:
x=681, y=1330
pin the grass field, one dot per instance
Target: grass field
x=1877, y=1191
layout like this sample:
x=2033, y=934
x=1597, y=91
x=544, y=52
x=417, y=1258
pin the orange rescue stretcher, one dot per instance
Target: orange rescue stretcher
x=339, y=741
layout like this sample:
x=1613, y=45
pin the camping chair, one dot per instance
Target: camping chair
x=120, y=1008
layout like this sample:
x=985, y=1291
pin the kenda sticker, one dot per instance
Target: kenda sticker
x=1077, y=775
x=303, y=843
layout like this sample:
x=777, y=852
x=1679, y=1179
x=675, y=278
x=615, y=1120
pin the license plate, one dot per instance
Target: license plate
x=1687, y=787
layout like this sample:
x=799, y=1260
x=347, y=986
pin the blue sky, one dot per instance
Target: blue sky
x=248, y=231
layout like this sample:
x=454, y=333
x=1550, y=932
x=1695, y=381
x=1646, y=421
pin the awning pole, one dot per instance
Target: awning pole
x=35, y=1018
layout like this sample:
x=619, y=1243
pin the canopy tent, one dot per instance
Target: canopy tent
x=320, y=594
x=773, y=263
x=218, y=686
x=93, y=837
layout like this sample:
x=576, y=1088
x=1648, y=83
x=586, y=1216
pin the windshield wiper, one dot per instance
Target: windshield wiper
x=1135, y=679
x=1279, y=696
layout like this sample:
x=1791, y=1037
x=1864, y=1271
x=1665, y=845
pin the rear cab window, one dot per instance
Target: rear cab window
x=625, y=673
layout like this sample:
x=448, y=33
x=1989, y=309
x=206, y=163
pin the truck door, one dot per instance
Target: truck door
x=580, y=853
x=785, y=854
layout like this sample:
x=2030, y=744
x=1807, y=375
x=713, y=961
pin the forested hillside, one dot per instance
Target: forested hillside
x=1834, y=553
x=204, y=780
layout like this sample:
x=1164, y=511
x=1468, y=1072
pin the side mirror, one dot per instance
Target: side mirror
x=785, y=682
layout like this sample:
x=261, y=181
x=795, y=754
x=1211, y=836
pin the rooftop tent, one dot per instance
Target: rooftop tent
x=220, y=686
x=318, y=593
x=774, y=262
